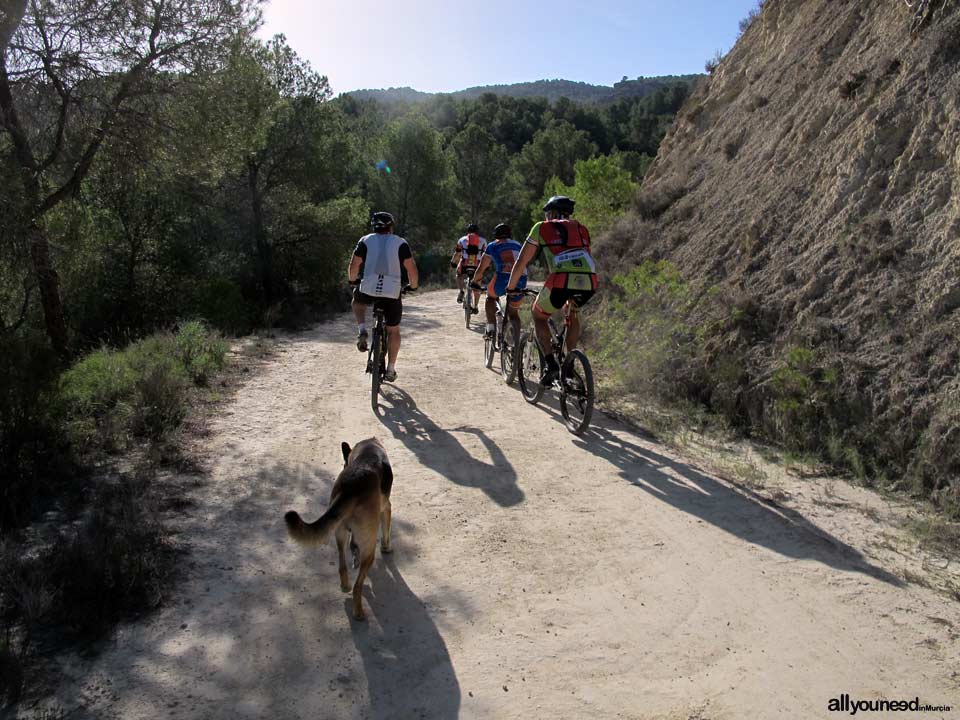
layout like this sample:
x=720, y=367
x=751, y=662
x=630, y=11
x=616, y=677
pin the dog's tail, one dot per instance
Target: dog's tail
x=315, y=533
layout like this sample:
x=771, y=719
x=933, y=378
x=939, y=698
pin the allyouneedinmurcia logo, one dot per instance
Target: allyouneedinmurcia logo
x=846, y=704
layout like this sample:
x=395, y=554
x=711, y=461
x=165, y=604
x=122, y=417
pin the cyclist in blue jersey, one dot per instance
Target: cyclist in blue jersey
x=501, y=254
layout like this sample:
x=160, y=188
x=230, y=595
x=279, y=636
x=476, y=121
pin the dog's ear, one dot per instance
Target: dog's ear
x=345, y=447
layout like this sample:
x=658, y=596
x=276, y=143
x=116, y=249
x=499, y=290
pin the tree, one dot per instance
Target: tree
x=268, y=108
x=603, y=190
x=417, y=189
x=479, y=164
x=552, y=153
x=73, y=74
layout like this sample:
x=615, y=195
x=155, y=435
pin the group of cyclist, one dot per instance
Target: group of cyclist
x=564, y=243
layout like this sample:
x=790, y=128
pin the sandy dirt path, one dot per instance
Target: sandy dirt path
x=534, y=574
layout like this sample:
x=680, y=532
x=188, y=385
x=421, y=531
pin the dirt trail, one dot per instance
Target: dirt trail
x=534, y=574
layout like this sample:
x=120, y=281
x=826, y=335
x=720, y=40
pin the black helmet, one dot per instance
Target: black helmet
x=473, y=228
x=502, y=231
x=561, y=204
x=381, y=220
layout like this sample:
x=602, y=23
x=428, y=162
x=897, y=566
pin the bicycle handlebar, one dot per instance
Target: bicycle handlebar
x=526, y=291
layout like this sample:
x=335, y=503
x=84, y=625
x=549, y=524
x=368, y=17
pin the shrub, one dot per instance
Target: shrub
x=221, y=302
x=642, y=335
x=201, y=352
x=98, y=382
x=654, y=201
x=33, y=452
x=140, y=390
x=747, y=22
x=711, y=65
x=112, y=563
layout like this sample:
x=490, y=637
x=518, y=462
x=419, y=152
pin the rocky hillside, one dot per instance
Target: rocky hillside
x=814, y=178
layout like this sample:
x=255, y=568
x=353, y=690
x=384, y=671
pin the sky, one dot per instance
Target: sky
x=443, y=46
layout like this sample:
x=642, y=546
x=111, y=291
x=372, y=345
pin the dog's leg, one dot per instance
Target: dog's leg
x=365, y=563
x=343, y=536
x=385, y=545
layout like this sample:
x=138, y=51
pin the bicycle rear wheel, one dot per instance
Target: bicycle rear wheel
x=576, y=391
x=508, y=354
x=467, y=307
x=489, y=349
x=529, y=366
x=376, y=365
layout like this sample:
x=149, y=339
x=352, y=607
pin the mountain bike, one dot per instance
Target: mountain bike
x=377, y=353
x=575, y=381
x=502, y=341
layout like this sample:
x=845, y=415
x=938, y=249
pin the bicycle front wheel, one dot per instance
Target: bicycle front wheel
x=489, y=349
x=576, y=392
x=508, y=354
x=529, y=368
x=376, y=366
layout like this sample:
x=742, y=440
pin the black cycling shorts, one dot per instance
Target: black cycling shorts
x=392, y=309
x=467, y=270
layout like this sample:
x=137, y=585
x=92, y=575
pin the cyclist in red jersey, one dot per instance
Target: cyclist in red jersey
x=465, y=258
x=571, y=279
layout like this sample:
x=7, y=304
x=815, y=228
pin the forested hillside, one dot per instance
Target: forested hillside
x=551, y=90
x=800, y=232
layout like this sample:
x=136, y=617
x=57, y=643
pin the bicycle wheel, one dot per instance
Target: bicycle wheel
x=489, y=349
x=376, y=365
x=508, y=354
x=576, y=391
x=467, y=305
x=528, y=369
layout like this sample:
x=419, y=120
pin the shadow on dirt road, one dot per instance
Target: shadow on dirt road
x=408, y=667
x=438, y=449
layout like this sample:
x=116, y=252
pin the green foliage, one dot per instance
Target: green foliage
x=642, y=336
x=112, y=395
x=201, y=352
x=419, y=188
x=479, y=164
x=603, y=191
x=553, y=152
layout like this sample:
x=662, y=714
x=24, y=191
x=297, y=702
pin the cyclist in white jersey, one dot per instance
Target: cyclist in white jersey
x=375, y=273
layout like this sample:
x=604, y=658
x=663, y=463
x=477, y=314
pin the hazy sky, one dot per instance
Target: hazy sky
x=438, y=45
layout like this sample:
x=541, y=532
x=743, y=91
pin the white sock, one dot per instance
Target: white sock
x=392, y=366
x=491, y=327
x=361, y=328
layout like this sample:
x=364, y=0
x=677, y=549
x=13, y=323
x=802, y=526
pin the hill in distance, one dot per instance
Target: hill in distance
x=552, y=90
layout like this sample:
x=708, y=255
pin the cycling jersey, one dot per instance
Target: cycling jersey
x=503, y=254
x=566, y=251
x=383, y=255
x=471, y=247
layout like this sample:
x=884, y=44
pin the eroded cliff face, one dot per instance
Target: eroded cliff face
x=817, y=171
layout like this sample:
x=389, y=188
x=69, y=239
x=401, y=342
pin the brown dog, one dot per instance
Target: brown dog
x=359, y=502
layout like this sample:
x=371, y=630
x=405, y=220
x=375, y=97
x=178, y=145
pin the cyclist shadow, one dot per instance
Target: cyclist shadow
x=439, y=450
x=407, y=664
x=734, y=508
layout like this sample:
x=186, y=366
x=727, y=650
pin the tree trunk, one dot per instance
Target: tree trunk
x=48, y=282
